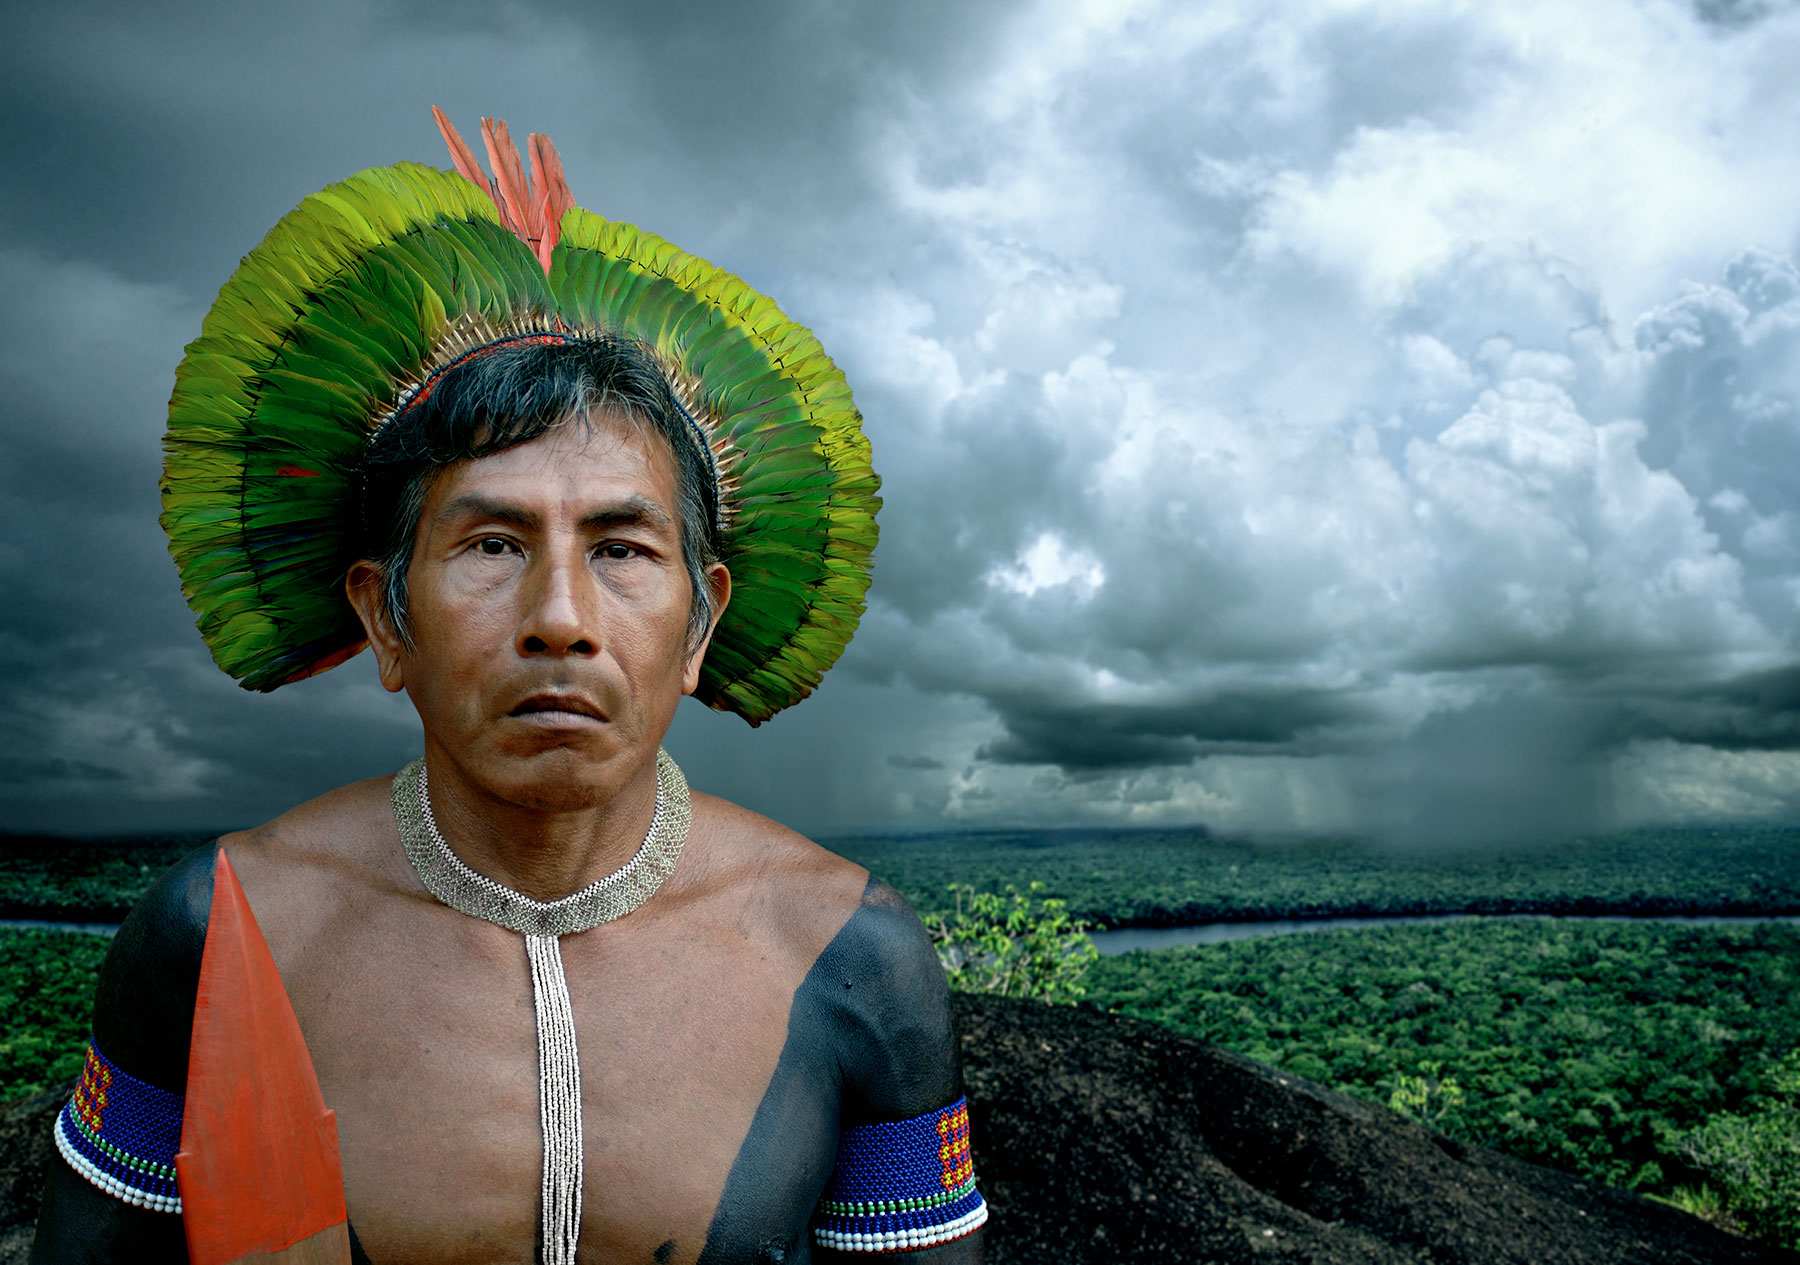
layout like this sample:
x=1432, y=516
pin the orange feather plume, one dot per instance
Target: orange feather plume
x=531, y=206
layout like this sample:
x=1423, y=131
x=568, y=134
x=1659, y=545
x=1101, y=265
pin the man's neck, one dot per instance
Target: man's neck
x=545, y=853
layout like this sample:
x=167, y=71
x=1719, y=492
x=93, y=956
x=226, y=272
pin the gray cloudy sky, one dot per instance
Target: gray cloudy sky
x=1296, y=415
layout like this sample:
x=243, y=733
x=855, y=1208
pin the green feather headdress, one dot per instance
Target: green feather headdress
x=371, y=284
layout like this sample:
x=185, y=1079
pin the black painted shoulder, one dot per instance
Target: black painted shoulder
x=895, y=1041
x=144, y=1006
x=143, y=1020
x=869, y=1039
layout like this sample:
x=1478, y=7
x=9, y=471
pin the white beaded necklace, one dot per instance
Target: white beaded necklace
x=543, y=923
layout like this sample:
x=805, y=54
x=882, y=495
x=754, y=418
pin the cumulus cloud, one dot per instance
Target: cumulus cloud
x=1336, y=448
x=1350, y=416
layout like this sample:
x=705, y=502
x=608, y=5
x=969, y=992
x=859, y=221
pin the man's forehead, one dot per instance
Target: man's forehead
x=602, y=461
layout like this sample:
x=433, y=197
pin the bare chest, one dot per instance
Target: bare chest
x=424, y=1041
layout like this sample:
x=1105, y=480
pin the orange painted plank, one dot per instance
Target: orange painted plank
x=330, y=1246
x=258, y=1166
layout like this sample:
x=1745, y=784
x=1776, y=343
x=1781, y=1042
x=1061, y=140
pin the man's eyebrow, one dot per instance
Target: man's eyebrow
x=635, y=509
x=473, y=505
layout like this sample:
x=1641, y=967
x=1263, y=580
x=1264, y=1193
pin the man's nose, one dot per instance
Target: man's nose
x=562, y=611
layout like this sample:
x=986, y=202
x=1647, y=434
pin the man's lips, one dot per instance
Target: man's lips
x=557, y=709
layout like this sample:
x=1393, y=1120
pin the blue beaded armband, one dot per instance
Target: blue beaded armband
x=902, y=1186
x=122, y=1133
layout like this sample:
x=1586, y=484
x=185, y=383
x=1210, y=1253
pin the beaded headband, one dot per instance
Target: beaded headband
x=414, y=396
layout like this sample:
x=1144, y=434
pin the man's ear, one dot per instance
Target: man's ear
x=365, y=588
x=718, y=581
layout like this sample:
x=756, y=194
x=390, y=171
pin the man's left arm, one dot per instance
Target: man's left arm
x=904, y=1179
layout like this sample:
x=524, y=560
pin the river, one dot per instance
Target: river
x=42, y=924
x=1125, y=939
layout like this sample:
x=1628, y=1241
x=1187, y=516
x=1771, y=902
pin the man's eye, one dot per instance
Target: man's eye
x=617, y=550
x=494, y=546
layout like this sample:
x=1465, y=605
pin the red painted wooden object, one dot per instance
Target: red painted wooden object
x=258, y=1166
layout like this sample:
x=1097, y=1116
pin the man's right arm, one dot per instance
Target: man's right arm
x=902, y=1075
x=143, y=1019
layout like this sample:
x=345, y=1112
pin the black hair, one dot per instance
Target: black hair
x=511, y=392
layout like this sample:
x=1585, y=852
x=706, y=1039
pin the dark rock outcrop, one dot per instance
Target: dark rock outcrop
x=25, y=1150
x=1099, y=1138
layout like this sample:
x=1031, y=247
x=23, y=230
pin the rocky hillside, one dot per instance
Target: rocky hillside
x=1099, y=1138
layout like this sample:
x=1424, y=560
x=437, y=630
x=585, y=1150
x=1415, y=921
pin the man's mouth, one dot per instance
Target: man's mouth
x=556, y=710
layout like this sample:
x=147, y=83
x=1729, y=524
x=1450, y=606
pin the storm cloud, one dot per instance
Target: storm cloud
x=1311, y=417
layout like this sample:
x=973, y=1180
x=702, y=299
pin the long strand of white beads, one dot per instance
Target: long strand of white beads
x=543, y=923
x=559, y=1100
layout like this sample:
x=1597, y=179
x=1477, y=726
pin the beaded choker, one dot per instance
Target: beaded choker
x=542, y=923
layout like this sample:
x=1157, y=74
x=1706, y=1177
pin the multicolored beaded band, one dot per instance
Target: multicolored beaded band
x=122, y=1133
x=902, y=1186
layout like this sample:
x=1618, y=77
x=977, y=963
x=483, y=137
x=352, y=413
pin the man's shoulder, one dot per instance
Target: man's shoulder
x=145, y=999
x=882, y=976
x=854, y=927
x=748, y=832
x=144, y=1002
x=350, y=826
x=796, y=885
x=874, y=1000
x=356, y=817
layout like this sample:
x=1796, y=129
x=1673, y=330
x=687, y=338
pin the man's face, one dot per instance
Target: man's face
x=549, y=609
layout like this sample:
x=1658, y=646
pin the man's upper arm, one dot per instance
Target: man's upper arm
x=898, y=1050
x=143, y=1017
x=902, y=1074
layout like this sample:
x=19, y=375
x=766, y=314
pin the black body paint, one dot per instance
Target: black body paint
x=869, y=1038
x=143, y=1016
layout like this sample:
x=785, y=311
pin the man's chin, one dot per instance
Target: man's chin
x=568, y=775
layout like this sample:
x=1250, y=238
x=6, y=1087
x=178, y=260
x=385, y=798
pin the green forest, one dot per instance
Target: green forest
x=46, y=993
x=1150, y=878
x=1603, y=1048
x=80, y=880
x=1593, y=1047
x=1113, y=878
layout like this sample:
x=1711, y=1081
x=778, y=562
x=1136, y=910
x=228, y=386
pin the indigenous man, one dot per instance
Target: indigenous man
x=556, y=474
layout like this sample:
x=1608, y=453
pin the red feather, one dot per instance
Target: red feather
x=460, y=153
x=509, y=177
x=546, y=165
x=531, y=206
